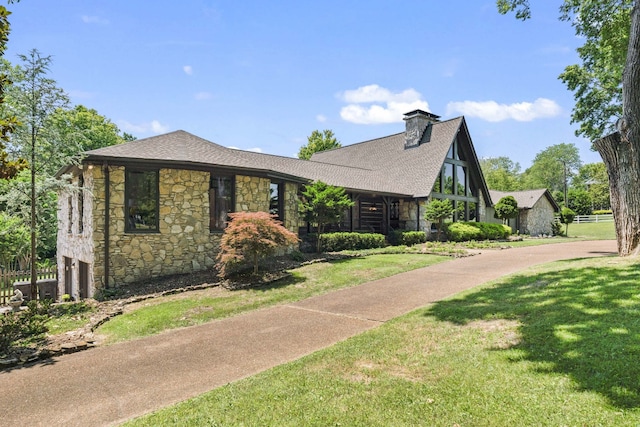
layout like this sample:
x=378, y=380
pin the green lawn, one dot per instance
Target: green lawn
x=201, y=306
x=557, y=345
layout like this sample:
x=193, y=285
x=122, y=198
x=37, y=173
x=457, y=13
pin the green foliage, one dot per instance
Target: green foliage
x=506, y=208
x=322, y=204
x=602, y=212
x=566, y=217
x=579, y=201
x=318, y=141
x=84, y=129
x=593, y=178
x=250, y=236
x=464, y=231
x=335, y=242
x=407, y=238
x=438, y=210
x=556, y=228
x=24, y=326
x=14, y=239
x=501, y=173
x=548, y=167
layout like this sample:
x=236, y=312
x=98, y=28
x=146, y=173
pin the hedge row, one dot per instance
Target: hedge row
x=464, y=231
x=334, y=242
x=407, y=238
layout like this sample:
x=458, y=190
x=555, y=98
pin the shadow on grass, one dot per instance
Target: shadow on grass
x=581, y=322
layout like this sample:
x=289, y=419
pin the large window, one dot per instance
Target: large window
x=221, y=191
x=276, y=190
x=141, y=193
x=455, y=183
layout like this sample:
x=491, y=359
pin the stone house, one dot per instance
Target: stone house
x=158, y=206
x=536, y=211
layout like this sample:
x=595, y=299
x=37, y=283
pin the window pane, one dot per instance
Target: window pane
x=450, y=153
x=274, y=199
x=461, y=184
x=221, y=201
x=142, y=200
x=436, y=186
x=448, y=179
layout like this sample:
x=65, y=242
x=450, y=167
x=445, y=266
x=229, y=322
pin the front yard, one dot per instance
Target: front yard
x=555, y=345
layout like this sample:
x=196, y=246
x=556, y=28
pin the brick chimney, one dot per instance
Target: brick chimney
x=418, y=127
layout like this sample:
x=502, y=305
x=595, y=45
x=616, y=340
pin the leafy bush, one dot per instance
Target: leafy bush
x=603, y=212
x=566, y=217
x=462, y=232
x=556, y=228
x=250, y=236
x=407, y=238
x=24, y=325
x=334, y=242
x=487, y=231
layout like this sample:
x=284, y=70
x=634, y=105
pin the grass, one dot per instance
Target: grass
x=555, y=345
x=202, y=306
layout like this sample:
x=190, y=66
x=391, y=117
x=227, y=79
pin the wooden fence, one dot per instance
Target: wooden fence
x=8, y=277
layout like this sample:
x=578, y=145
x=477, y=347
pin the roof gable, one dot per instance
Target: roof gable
x=526, y=199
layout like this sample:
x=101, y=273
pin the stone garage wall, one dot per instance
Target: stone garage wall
x=537, y=220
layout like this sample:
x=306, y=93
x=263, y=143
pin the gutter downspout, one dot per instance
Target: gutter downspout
x=107, y=219
x=417, y=214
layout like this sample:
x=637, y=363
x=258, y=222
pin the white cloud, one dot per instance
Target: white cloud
x=202, y=96
x=321, y=118
x=380, y=104
x=154, y=127
x=94, y=20
x=188, y=70
x=491, y=111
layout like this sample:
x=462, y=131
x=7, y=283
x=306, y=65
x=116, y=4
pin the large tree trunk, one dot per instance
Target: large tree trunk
x=621, y=150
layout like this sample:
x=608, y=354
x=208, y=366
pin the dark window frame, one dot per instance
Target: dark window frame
x=280, y=214
x=130, y=195
x=213, y=201
x=80, y=204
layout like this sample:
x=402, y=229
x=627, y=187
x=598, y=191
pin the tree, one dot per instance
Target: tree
x=34, y=98
x=607, y=91
x=8, y=168
x=250, y=236
x=552, y=168
x=566, y=217
x=318, y=141
x=506, y=208
x=580, y=201
x=437, y=210
x=593, y=178
x=323, y=204
x=501, y=173
x=14, y=240
x=83, y=129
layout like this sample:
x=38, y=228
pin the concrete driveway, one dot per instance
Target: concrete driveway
x=108, y=385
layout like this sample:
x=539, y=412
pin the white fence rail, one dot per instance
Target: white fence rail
x=593, y=218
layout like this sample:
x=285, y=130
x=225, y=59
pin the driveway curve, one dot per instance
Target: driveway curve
x=108, y=385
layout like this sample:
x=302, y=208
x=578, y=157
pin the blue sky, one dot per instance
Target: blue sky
x=263, y=75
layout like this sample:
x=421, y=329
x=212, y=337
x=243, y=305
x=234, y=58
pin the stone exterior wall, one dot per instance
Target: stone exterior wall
x=183, y=242
x=537, y=220
x=78, y=246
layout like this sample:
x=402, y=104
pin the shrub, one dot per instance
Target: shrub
x=506, y=208
x=437, y=211
x=250, y=236
x=407, y=238
x=462, y=232
x=334, y=242
x=603, y=212
x=23, y=325
x=487, y=231
x=566, y=217
x=556, y=228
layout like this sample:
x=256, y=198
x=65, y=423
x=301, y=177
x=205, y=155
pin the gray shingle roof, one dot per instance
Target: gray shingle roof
x=381, y=166
x=525, y=199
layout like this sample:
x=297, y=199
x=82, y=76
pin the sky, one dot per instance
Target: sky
x=261, y=76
